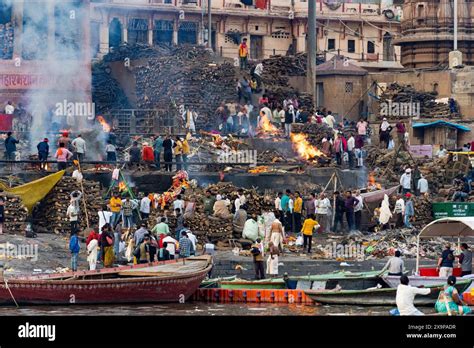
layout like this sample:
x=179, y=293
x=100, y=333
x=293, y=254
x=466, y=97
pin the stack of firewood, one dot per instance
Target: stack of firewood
x=15, y=214
x=186, y=76
x=429, y=108
x=106, y=91
x=50, y=215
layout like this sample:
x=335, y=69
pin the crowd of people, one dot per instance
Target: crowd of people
x=124, y=234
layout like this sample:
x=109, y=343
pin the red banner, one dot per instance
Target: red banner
x=6, y=122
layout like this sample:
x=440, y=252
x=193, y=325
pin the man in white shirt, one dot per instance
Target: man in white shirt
x=171, y=247
x=267, y=112
x=9, y=108
x=399, y=211
x=330, y=120
x=406, y=296
x=73, y=215
x=192, y=238
x=258, y=75
x=405, y=181
x=145, y=204
x=79, y=147
x=178, y=204
x=441, y=153
x=240, y=200
x=394, y=265
x=350, y=150
x=422, y=185
x=322, y=209
x=278, y=202
x=358, y=210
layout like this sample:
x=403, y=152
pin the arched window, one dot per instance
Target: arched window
x=115, y=33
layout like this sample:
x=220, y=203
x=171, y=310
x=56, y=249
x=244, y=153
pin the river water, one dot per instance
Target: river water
x=200, y=309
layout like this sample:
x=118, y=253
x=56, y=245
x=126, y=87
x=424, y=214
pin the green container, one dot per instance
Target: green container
x=452, y=209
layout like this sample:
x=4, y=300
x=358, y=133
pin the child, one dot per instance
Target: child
x=74, y=248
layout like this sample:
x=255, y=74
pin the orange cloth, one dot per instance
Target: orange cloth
x=243, y=50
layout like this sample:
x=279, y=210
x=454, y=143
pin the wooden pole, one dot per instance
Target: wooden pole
x=83, y=194
x=334, y=201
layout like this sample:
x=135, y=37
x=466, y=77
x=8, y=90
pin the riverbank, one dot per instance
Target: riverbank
x=49, y=253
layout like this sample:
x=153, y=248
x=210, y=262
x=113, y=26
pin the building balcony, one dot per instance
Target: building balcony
x=362, y=9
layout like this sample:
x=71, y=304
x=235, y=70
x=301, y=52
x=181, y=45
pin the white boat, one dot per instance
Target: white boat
x=416, y=280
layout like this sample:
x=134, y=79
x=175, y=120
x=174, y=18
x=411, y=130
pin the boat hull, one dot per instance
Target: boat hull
x=152, y=289
x=376, y=297
x=416, y=281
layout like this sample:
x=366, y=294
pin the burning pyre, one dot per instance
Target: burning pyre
x=105, y=126
x=305, y=150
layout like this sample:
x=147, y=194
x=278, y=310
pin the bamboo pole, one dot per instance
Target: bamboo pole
x=334, y=202
x=83, y=194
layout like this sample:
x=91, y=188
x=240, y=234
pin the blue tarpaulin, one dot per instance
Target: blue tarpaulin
x=441, y=124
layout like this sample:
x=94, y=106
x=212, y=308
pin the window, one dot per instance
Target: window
x=351, y=46
x=370, y=47
x=137, y=30
x=349, y=87
x=163, y=32
x=331, y=44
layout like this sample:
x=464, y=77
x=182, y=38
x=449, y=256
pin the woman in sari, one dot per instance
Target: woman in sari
x=449, y=300
x=107, y=246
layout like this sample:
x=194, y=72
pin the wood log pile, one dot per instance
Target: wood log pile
x=16, y=214
x=429, y=108
x=217, y=229
x=423, y=212
x=50, y=215
x=186, y=76
x=106, y=91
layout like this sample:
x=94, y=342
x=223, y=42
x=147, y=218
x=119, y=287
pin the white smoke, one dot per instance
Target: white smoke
x=64, y=62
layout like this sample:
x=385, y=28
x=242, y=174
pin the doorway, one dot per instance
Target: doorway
x=256, y=46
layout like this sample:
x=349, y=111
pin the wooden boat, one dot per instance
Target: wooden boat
x=377, y=297
x=415, y=280
x=346, y=280
x=169, y=281
x=215, y=282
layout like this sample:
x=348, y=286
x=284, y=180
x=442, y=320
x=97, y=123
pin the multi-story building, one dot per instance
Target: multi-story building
x=361, y=30
x=44, y=50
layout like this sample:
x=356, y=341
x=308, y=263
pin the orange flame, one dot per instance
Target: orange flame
x=304, y=149
x=266, y=126
x=121, y=186
x=259, y=169
x=105, y=126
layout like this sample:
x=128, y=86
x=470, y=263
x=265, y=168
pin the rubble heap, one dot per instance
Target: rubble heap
x=50, y=215
x=186, y=76
x=429, y=108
